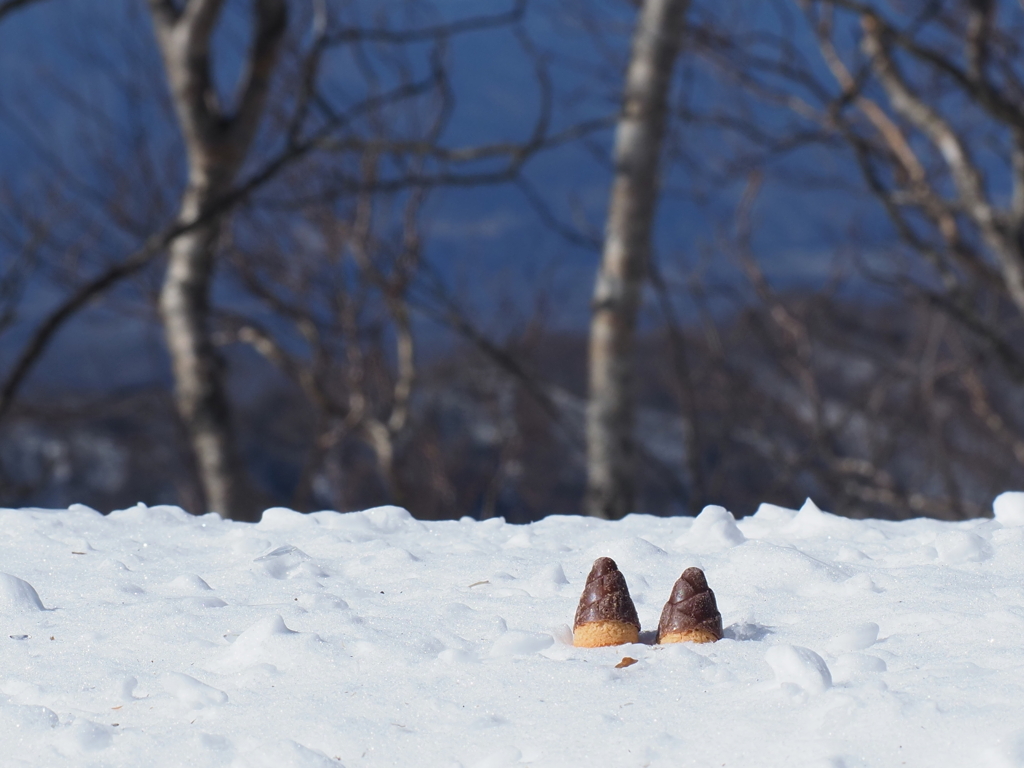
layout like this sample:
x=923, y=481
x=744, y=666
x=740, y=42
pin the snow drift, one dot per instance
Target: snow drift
x=149, y=637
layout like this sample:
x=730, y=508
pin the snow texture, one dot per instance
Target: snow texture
x=799, y=666
x=150, y=637
x=17, y=595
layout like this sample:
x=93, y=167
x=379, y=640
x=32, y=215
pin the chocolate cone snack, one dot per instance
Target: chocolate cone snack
x=606, y=614
x=691, y=614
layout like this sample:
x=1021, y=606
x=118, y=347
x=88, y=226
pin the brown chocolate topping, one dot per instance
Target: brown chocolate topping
x=691, y=606
x=606, y=596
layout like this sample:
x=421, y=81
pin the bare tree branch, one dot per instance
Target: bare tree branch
x=10, y=6
x=967, y=176
x=402, y=37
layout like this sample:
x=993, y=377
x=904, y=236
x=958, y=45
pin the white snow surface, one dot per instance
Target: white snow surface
x=150, y=637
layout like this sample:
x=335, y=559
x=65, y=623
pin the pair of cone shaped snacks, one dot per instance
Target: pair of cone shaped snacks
x=606, y=614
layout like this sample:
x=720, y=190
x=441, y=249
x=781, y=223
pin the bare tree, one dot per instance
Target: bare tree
x=638, y=139
x=345, y=300
x=914, y=110
x=930, y=107
x=407, y=87
x=217, y=140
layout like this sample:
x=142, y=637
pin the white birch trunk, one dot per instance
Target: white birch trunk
x=610, y=442
x=217, y=143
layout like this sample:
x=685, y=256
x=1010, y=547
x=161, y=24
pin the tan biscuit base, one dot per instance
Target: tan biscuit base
x=595, y=634
x=690, y=636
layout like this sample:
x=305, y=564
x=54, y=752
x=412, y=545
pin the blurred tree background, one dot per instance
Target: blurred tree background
x=331, y=254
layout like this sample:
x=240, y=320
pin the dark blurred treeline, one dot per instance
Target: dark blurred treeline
x=893, y=443
x=262, y=186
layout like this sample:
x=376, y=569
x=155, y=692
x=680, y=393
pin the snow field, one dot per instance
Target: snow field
x=153, y=637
